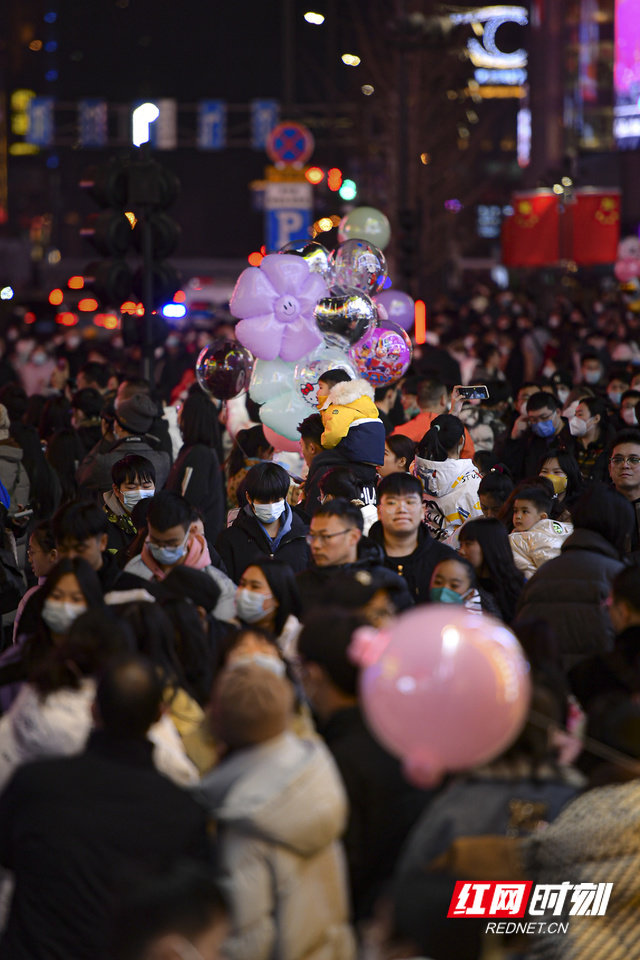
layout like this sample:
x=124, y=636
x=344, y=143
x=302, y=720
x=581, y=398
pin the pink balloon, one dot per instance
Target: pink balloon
x=450, y=690
x=279, y=442
x=398, y=306
x=627, y=270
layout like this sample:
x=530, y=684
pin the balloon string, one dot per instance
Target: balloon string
x=592, y=746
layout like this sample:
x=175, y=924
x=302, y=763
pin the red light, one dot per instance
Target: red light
x=334, y=179
x=314, y=175
x=263, y=250
x=179, y=296
x=75, y=283
x=107, y=320
x=255, y=258
x=129, y=306
x=87, y=305
x=29, y=317
x=67, y=319
x=56, y=297
x=420, y=315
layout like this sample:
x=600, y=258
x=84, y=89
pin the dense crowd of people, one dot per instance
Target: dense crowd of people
x=178, y=600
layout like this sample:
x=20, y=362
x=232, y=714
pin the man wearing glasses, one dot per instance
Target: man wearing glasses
x=624, y=469
x=543, y=427
x=337, y=546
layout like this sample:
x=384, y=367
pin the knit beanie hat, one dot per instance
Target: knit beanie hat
x=5, y=423
x=250, y=705
x=137, y=413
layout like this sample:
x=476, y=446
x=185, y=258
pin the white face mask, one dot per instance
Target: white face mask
x=59, y=615
x=615, y=396
x=131, y=497
x=578, y=427
x=274, y=664
x=562, y=393
x=268, y=512
x=592, y=377
x=629, y=416
x=250, y=606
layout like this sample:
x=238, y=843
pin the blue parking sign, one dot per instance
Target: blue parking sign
x=288, y=213
x=92, y=122
x=40, y=130
x=264, y=117
x=212, y=124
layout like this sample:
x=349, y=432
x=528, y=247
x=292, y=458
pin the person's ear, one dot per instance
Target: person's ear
x=544, y=516
x=104, y=540
x=358, y=535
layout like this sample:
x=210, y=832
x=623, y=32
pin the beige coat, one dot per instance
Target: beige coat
x=280, y=808
x=542, y=542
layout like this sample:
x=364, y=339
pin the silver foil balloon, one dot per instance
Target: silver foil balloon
x=345, y=319
x=317, y=256
x=357, y=264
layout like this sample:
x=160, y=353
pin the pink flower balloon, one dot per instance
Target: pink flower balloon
x=449, y=690
x=275, y=303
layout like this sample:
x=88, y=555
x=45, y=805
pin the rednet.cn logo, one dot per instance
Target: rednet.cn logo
x=499, y=900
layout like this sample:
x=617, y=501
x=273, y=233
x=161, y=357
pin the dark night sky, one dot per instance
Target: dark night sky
x=188, y=49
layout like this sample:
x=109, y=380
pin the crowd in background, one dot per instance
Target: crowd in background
x=178, y=601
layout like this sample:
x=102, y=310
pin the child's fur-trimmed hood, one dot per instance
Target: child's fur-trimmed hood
x=348, y=391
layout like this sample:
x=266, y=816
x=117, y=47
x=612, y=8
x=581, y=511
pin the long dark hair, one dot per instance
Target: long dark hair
x=199, y=421
x=64, y=453
x=569, y=464
x=403, y=448
x=598, y=407
x=444, y=435
x=283, y=586
x=506, y=580
x=249, y=444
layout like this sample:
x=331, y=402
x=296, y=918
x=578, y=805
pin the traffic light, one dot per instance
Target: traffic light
x=134, y=193
x=109, y=232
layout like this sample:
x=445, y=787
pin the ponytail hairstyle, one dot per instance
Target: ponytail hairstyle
x=442, y=438
x=249, y=444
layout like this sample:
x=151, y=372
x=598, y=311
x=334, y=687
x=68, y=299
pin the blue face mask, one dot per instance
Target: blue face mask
x=167, y=556
x=544, y=428
x=444, y=595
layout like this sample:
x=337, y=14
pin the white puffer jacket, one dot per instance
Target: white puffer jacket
x=450, y=494
x=542, y=542
x=280, y=809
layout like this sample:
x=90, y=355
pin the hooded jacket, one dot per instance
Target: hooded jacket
x=351, y=420
x=246, y=540
x=570, y=591
x=450, y=493
x=531, y=548
x=280, y=810
x=94, y=472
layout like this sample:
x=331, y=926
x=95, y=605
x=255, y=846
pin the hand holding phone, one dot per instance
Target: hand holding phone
x=477, y=392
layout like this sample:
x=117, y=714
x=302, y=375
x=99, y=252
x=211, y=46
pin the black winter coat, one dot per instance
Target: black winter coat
x=316, y=583
x=418, y=567
x=327, y=460
x=569, y=592
x=245, y=542
x=76, y=831
x=204, y=489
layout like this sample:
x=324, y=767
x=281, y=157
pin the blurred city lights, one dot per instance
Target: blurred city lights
x=557, y=189
x=75, y=283
x=35, y=45
x=367, y=89
x=54, y=256
x=420, y=321
x=255, y=258
x=141, y=119
x=174, y=311
x=314, y=175
x=131, y=217
x=315, y=18
x=66, y=319
x=179, y=296
x=334, y=179
x=350, y=59
x=87, y=305
x=425, y=158
x=325, y=224
x=348, y=190
x=56, y=297
x=6, y=293
x=453, y=205
x=567, y=182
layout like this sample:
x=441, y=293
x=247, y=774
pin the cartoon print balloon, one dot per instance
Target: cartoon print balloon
x=444, y=688
x=358, y=264
x=275, y=303
x=223, y=369
x=307, y=371
x=365, y=223
x=344, y=320
x=383, y=356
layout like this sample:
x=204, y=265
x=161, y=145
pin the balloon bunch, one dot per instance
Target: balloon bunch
x=306, y=310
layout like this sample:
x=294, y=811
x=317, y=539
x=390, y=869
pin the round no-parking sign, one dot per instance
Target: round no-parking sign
x=290, y=143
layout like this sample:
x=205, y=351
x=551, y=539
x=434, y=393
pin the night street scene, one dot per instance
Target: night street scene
x=319, y=480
